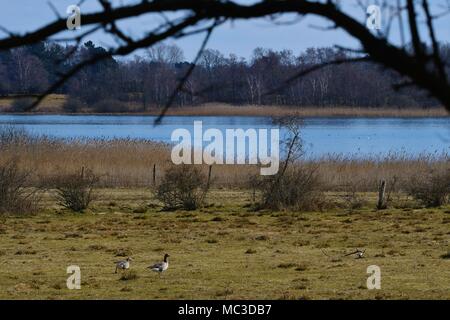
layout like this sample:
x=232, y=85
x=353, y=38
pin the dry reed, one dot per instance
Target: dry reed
x=216, y=109
x=129, y=163
x=54, y=104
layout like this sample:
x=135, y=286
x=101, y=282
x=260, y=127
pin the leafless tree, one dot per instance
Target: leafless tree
x=30, y=73
x=165, y=53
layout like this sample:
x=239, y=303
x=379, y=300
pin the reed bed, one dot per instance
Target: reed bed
x=54, y=103
x=216, y=109
x=129, y=163
x=341, y=173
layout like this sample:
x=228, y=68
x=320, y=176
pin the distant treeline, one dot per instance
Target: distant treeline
x=147, y=81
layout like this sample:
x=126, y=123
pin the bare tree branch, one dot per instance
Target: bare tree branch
x=436, y=50
x=415, y=37
x=122, y=51
x=411, y=65
x=186, y=76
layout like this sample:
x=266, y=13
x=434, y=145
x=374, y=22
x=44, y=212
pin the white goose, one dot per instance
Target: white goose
x=161, y=266
x=123, y=264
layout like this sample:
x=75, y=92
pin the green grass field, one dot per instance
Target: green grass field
x=224, y=251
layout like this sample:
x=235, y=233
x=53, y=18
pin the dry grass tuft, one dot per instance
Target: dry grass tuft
x=129, y=275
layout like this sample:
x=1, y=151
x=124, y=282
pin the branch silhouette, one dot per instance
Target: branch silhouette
x=426, y=70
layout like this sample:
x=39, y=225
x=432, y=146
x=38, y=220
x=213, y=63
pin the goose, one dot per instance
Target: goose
x=359, y=254
x=123, y=264
x=161, y=266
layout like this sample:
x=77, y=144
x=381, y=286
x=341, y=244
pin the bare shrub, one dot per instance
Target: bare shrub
x=183, y=187
x=295, y=186
x=15, y=196
x=75, y=190
x=298, y=188
x=432, y=188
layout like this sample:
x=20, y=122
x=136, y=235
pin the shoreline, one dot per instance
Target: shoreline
x=54, y=105
x=224, y=110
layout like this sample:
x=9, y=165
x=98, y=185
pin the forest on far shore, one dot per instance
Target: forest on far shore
x=148, y=80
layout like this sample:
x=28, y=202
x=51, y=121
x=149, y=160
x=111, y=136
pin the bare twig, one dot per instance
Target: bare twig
x=186, y=75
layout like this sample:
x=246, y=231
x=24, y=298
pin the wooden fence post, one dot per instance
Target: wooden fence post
x=209, y=175
x=154, y=175
x=381, y=195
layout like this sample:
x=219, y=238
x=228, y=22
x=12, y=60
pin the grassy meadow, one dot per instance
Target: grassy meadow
x=224, y=251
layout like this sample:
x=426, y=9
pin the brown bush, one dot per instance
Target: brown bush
x=75, y=191
x=431, y=188
x=295, y=186
x=183, y=187
x=15, y=196
x=298, y=188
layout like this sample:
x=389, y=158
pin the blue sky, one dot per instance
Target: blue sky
x=239, y=37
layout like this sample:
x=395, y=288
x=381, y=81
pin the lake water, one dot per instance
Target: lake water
x=359, y=137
